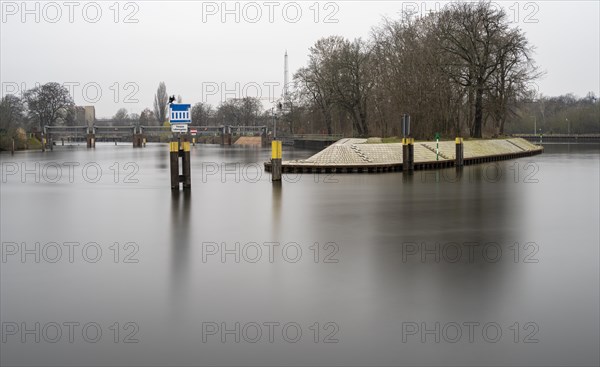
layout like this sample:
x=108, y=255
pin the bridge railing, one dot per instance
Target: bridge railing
x=558, y=135
x=315, y=137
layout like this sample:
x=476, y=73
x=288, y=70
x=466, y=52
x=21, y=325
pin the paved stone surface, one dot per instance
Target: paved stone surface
x=248, y=140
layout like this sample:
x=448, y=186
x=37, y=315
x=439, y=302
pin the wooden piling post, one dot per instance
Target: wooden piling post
x=174, y=163
x=12, y=149
x=91, y=141
x=138, y=141
x=181, y=149
x=408, y=155
x=460, y=152
x=228, y=135
x=276, y=161
x=263, y=137
x=186, y=165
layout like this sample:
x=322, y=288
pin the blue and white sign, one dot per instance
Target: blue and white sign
x=180, y=113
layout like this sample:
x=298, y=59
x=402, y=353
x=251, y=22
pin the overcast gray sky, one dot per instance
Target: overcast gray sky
x=113, y=55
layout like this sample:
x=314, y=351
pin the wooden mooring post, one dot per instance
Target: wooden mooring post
x=138, y=141
x=460, y=153
x=226, y=135
x=91, y=137
x=91, y=141
x=276, y=161
x=180, y=148
x=408, y=155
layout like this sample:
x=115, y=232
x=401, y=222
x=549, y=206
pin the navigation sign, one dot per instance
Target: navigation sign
x=179, y=128
x=180, y=113
x=193, y=131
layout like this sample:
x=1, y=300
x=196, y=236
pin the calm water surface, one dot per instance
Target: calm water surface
x=103, y=265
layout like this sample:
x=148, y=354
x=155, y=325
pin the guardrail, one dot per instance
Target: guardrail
x=315, y=137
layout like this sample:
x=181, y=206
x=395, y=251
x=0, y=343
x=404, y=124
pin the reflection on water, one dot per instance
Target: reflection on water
x=509, y=247
x=180, y=243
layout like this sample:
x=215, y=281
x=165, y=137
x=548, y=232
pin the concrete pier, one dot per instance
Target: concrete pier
x=355, y=155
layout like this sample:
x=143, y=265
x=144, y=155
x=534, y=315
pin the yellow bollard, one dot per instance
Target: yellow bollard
x=276, y=160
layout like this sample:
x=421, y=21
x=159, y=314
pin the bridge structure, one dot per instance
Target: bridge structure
x=225, y=134
x=317, y=141
x=90, y=134
x=140, y=134
x=560, y=138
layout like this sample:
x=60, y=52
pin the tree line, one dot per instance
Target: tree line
x=462, y=71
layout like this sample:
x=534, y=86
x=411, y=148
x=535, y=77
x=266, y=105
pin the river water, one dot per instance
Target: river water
x=103, y=265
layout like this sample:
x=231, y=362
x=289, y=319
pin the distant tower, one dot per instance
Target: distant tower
x=285, y=79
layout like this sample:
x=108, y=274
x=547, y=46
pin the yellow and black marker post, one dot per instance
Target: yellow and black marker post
x=408, y=155
x=276, y=161
x=460, y=152
x=180, y=148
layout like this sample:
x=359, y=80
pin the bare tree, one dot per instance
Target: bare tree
x=48, y=103
x=313, y=88
x=201, y=112
x=353, y=83
x=228, y=113
x=478, y=36
x=250, y=109
x=12, y=111
x=121, y=117
x=147, y=118
x=161, y=100
x=509, y=82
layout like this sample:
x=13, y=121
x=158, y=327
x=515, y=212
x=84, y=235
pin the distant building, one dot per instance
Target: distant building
x=85, y=115
x=90, y=114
